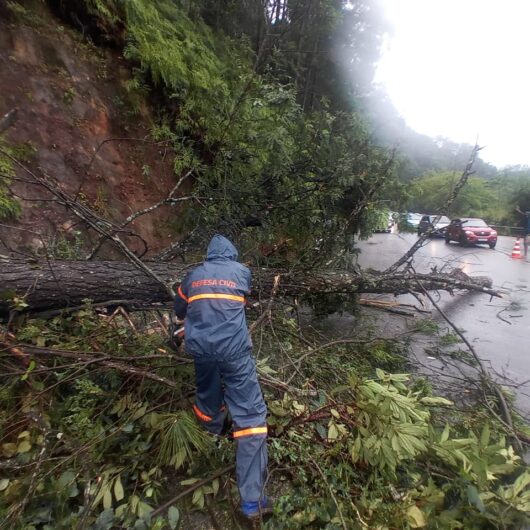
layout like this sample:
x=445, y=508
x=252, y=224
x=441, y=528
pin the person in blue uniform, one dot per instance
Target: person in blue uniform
x=526, y=225
x=211, y=300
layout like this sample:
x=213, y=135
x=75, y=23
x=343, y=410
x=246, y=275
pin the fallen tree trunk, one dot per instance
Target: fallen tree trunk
x=55, y=284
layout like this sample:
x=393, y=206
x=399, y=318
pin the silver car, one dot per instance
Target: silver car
x=438, y=229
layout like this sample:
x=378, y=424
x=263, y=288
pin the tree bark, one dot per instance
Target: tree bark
x=57, y=284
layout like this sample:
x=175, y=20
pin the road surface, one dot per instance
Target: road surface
x=499, y=329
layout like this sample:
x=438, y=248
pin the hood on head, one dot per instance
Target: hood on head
x=221, y=248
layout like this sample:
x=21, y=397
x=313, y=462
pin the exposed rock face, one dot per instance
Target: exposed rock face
x=70, y=97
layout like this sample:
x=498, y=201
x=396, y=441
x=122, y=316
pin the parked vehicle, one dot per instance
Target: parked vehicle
x=386, y=224
x=471, y=231
x=438, y=229
x=413, y=219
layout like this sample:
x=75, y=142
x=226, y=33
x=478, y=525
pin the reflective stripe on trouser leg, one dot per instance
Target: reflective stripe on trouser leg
x=209, y=405
x=213, y=424
x=245, y=402
x=251, y=466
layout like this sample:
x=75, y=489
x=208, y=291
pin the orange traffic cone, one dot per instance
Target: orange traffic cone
x=516, y=252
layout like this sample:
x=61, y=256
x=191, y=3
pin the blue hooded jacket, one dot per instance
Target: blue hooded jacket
x=212, y=299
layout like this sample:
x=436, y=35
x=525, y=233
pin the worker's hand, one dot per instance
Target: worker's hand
x=176, y=337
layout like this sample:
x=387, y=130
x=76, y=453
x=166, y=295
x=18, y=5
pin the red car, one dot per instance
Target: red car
x=470, y=231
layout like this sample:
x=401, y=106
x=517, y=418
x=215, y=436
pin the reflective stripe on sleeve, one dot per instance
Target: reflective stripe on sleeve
x=201, y=414
x=182, y=295
x=250, y=432
x=216, y=296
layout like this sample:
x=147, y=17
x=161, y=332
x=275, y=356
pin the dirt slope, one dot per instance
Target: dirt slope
x=71, y=96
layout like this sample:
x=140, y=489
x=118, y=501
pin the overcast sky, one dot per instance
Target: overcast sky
x=461, y=69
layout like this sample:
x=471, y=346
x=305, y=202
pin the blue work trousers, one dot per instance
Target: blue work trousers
x=234, y=384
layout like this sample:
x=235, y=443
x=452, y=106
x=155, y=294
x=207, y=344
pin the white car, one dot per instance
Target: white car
x=436, y=230
x=413, y=219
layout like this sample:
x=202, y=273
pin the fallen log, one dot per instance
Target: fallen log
x=54, y=284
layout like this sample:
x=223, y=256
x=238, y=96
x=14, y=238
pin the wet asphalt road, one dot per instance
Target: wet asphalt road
x=499, y=329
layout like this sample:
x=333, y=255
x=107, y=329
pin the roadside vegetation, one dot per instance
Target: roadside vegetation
x=90, y=439
x=493, y=199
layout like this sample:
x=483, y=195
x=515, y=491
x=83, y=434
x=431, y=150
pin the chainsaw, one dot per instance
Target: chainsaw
x=176, y=333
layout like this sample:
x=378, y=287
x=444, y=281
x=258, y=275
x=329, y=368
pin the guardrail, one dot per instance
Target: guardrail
x=514, y=231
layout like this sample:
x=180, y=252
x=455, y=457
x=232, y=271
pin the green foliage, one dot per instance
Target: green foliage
x=108, y=420
x=61, y=247
x=494, y=199
x=378, y=452
x=376, y=218
x=409, y=471
x=476, y=199
x=391, y=426
x=177, y=52
x=106, y=9
x=69, y=95
x=513, y=186
x=24, y=14
x=80, y=408
x=428, y=326
x=10, y=207
x=181, y=439
x=370, y=447
x=293, y=171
